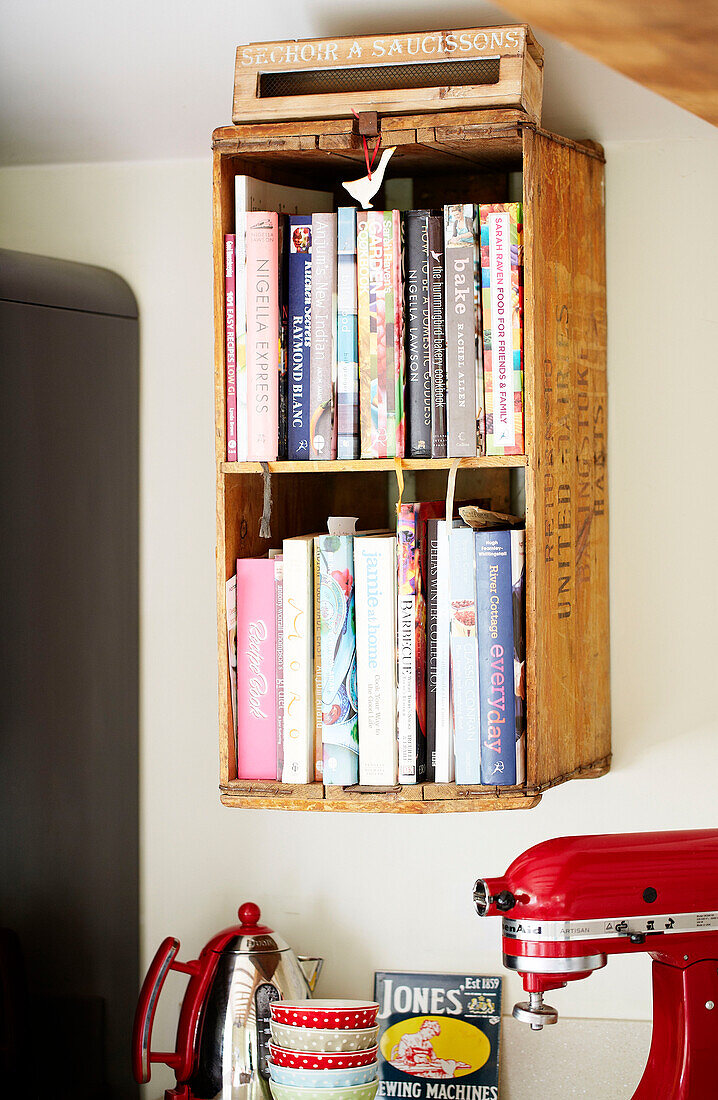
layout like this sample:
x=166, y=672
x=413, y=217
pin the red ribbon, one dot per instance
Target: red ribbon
x=369, y=163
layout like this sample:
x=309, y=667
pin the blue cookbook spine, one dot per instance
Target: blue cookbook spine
x=299, y=325
x=495, y=614
x=347, y=335
x=464, y=655
x=338, y=642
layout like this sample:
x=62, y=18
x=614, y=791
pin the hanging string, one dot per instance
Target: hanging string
x=265, y=530
x=369, y=163
x=398, y=470
x=451, y=489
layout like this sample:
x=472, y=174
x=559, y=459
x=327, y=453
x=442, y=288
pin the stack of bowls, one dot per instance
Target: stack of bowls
x=323, y=1050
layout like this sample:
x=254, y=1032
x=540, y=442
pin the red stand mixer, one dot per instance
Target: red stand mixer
x=569, y=903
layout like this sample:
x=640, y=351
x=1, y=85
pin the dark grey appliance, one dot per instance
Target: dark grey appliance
x=69, y=439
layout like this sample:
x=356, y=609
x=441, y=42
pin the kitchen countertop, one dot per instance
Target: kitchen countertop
x=598, y=1059
x=575, y=1059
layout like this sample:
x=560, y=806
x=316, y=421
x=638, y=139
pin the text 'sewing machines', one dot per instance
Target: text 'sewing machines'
x=569, y=903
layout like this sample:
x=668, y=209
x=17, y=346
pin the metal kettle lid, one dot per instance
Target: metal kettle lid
x=249, y=937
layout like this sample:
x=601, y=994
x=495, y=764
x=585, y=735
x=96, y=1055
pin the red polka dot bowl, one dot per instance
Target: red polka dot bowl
x=308, y=1059
x=337, y=1015
x=322, y=1039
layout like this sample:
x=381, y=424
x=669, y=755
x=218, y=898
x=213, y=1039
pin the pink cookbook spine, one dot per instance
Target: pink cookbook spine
x=262, y=334
x=256, y=670
x=230, y=344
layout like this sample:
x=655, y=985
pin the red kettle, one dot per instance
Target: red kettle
x=222, y=1045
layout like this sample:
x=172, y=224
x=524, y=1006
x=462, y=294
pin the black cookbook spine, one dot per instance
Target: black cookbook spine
x=437, y=336
x=283, y=392
x=416, y=311
x=431, y=650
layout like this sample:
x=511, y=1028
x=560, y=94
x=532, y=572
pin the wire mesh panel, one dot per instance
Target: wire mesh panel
x=370, y=78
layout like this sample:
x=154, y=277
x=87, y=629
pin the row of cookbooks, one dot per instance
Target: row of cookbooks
x=371, y=334
x=383, y=657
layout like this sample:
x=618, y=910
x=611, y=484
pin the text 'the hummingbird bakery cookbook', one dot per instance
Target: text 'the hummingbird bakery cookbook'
x=438, y=1035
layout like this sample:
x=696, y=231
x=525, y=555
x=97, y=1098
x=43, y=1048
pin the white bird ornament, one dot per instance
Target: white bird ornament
x=364, y=189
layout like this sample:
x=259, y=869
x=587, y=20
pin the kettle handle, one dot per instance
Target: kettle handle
x=142, y=1054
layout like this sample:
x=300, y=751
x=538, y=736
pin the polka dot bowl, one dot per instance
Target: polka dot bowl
x=306, y=1059
x=323, y=1078
x=338, y=1015
x=355, y=1092
x=326, y=1040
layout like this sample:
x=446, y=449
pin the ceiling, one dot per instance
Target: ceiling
x=103, y=80
x=668, y=46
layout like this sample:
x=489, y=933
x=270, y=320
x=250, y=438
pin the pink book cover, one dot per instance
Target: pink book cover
x=256, y=670
x=230, y=345
x=398, y=276
x=262, y=334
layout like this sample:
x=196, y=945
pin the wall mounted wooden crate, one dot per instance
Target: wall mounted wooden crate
x=325, y=78
x=461, y=156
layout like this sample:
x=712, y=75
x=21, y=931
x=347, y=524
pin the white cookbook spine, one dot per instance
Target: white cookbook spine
x=375, y=580
x=298, y=637
x=444, y=728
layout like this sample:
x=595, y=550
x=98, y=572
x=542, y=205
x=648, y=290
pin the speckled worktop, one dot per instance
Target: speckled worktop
x=595, y=1059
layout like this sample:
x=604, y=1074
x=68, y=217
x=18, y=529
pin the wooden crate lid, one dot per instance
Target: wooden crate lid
x=418, y=71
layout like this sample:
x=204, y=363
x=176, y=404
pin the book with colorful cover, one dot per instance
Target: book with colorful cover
x=298, y=646
x=230, y=596
x=323, y=358
x=502, y=312
x=464, y=655
x=390, y=350
x=347, y=335
x=518, y=588
x=252, y=194
x=283, y=307
x=499, y=561
x=412, y=521
x=399, y=357
x=340, y=726
x=377, y=333
x=437, y=339
x=432, y=642
x=230, y=346
x=375, y=587
x=366, y=439
x=240, y=335
x=463, y=331
x=262, y=334
x=299, y=333
x=439, y=1035
x=318, y=746
x=256, y=670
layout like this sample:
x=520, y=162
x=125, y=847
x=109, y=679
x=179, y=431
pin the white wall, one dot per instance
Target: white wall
x=392, y=891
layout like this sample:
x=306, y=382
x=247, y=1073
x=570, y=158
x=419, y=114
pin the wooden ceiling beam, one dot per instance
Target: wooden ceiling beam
x=669, y=46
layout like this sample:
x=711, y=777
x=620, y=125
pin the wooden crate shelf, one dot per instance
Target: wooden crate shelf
x=423, y=798
x=460, y=156
x=375, y=465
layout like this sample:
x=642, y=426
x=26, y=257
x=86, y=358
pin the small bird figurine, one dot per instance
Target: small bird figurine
x=365, y=188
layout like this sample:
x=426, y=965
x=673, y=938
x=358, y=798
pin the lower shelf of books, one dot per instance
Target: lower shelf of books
x=419, y=798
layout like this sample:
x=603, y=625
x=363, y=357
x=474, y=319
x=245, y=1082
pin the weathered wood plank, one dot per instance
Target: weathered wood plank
x=371, y=465
x=567, y=529
x=567, y=653
x=670, y=47
x=322, y=78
